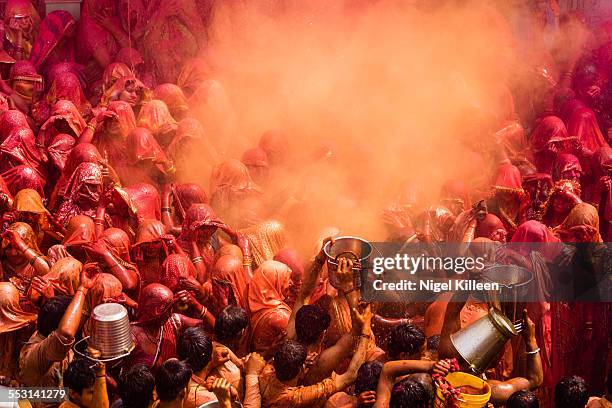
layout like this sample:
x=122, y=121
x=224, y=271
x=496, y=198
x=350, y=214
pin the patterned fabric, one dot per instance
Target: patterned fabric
x=85, y=173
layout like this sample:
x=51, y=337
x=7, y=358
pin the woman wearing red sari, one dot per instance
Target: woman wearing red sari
x=176, y=200
x=26, y=86
x=55, y=40
x=550, y=127
x=64, y=118
x=192, y=151
x=175, y=100
x=176, y=35
x=150, y=250
x=266, y=299
x=230, y=186
x=155, y=116
x=82, y=194
x=148, y=161
x=567, y=167
x=128, y=89
x=11, y=120
x=21, y=23
x=67, y=87
x=509, y=201
x=562, y=198
x=157, y=328
x=583, y=123
x=21, y=163
x=194, y=72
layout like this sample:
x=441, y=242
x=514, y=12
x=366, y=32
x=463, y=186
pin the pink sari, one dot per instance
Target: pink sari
x=92, y=36
x=113, y=146
x=21, y=163
x=145, y=156
x=63, y=111
x=85, y=173
x=68, y=87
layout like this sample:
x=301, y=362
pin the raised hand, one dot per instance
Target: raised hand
x=254, y=364
x=42, y=286
x=367, y=398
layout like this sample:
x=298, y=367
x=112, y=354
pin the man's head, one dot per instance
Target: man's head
x=136, y=387
x=523, y=399
x=79, y=378
x=410, y=393
x=230, y=325
x=311, y=322
x=433, y=342
x=195, y=348
x=51, y=314
x=367, y=377
x=289, y=359
x=171, y=381
x=571, y=392
x=406, y=342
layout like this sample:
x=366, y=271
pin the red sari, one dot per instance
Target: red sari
x=85, y=173
x=68, y=87
x=173, y=97
x=156, y=117
x=21, y=163
x=551, y=127
x=145, y=156
x=26, y=11
x=173, y=38
x=175, y=268
x=112, y=146
x=583, y=123
x=11, y=120
x=68, y=115
x=54, y=43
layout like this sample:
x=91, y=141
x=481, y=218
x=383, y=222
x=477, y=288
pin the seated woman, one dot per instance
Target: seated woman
x=150, y=250
x=21, y=25
x=64, y=87
x=172, y=95
x=127, y=89
x=149, y=163
x=562, y=198
x=83, y=193
x=55, y=40
x=155, y=116
x=567, y=167
x=21, y=258
x=29, y=208
x=64, y=118
x=22, y=165
x=157, y=328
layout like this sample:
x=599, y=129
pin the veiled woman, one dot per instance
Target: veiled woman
x=16, y=326
x=150, y=250
x=192, y=151
x=21, y=258
x=65, y=87
x=21, y=24
x=562, y=198
x=172, y=95
x=266, y=300
x=111, y=136
x=155, y=116
x=549, y=128
x=27, y=86
x=55, y=40
x=176, y=35
x=231, y=186
x=176, y=200
x=149, y=163
x=157, y=328
x=583, y=123
x=29, y=208
x=509, y=201
x=22, y=164
x=82, y=194
x=64, y=118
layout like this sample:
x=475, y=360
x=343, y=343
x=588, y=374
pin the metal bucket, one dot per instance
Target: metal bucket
x=357, y=249
x=480, y=343
x=111, y=333
x=514, y=283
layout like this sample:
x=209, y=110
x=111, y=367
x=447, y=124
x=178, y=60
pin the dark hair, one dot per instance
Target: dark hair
x=136, y=387
x=571, y=392
x=172, y=377
x=230, y=322
x=195, y=348
x=523, y=399
x=405, y=338
x=79, y=375
x=433, y=342
x=410, y=393
x=310, y=322
x=289, y=358
x=51, y=313
x=367, y=376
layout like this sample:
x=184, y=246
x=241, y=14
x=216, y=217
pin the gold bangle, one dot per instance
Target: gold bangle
x=197, y=259
x=204, y=311
x=166, y=209
x=91, y=127
x=171, y=170
x=33, y=260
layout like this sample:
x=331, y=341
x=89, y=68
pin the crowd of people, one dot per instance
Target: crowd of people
x=99, y=136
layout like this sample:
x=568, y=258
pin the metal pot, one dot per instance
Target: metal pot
x=111, y=332
x=357, y=249
x=515, y=284
x=480, y=343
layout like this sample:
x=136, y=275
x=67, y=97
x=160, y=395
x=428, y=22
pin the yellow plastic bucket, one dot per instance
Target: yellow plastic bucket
x=459, y=379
